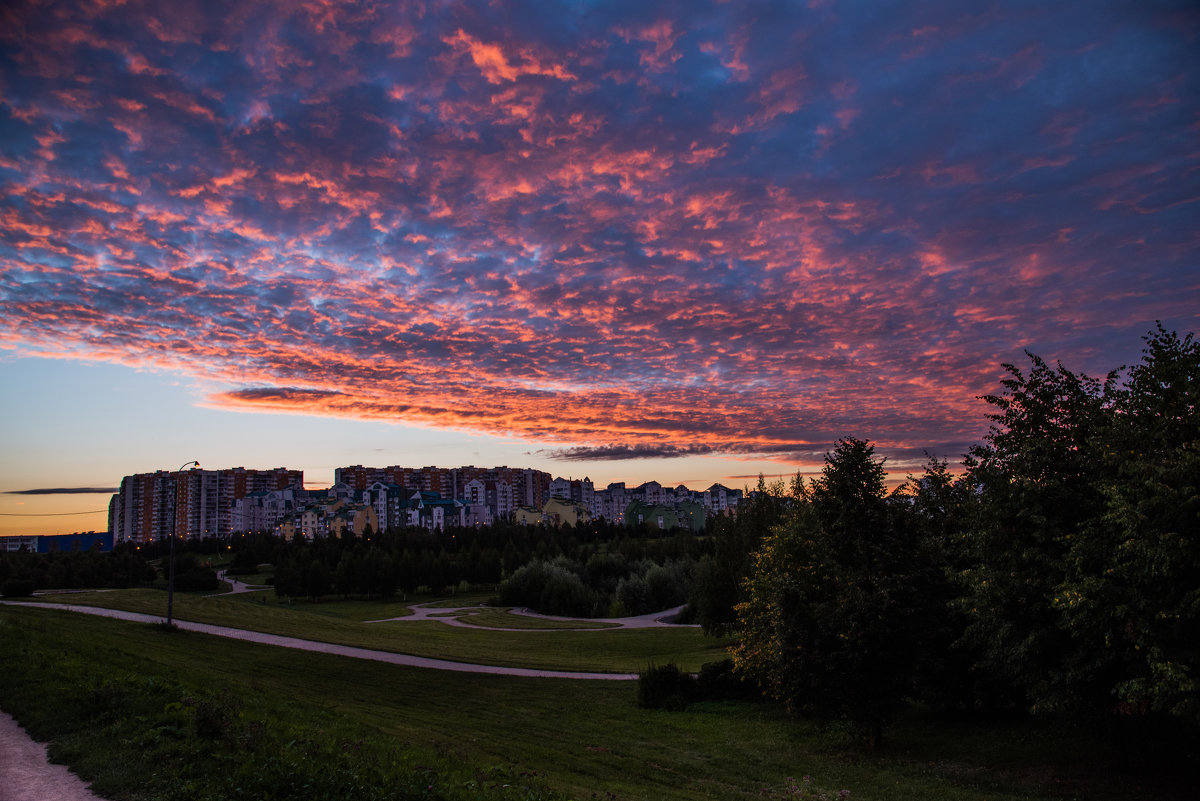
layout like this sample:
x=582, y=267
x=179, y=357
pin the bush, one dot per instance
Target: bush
x=18, y=588
x=634, y=595
x=717, y=681
x=196, y=580
x=551, y=588
x=665, y=687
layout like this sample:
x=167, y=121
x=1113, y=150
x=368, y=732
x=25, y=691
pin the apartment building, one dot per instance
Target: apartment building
x=192, y=503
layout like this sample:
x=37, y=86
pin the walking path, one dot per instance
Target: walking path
x=25, y=773
x=239, y=586
x=330, y=648
x=461, y=616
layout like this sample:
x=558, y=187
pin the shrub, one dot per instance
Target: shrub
x=552, y=588
x=665, y=687
x=17, y=588
x=196, y=579
x=717, y=681
x=634, y=595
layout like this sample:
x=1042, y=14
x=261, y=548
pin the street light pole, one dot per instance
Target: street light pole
x=171, y=558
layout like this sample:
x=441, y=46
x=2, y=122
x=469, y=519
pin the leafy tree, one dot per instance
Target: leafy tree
x=935, y=508
x=1037, y=480
x=1130, y=595
x=832, y=613
x=1083, y=591
x=317, y=580
x=289, y=578
x=717, y=587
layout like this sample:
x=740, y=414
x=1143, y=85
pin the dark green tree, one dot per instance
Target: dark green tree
x=935, y=508
x=717, y=587
x=833, y=612
x=1037, y=480
x=1129, y=601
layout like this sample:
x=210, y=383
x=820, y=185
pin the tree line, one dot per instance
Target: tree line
x=1057, y=573
x=570, y=570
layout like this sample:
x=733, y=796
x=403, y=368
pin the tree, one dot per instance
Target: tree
x=1083, y=591
x=717, y=587
x=1036, y=479
x=935, y=508
x=832, y=613
x=1129, y=600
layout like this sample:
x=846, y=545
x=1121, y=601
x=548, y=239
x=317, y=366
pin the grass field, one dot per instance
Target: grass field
x=343, y=622
x=503, y=619
x=465, y=733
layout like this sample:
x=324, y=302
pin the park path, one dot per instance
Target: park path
x=461, y=616
x=407, y=660
x=26, y=774
x=237, y=586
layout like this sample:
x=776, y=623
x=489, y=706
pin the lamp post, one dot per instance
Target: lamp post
x=171, y=558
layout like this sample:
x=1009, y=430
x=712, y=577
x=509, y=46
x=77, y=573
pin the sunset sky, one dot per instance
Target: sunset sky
x=684, y=241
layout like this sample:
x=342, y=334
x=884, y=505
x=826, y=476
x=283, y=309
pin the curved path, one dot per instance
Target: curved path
x=461, y=615
x=236, y=586
x=27, y=775
x=330, y=648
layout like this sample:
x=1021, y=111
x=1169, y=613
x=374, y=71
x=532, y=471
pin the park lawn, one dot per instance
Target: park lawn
x=504, y=619
x=342, y=622
x=583, y=739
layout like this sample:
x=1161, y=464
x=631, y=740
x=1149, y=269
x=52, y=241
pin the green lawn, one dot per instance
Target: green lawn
x=583, y=739
x=504, y=619
x=343, y=622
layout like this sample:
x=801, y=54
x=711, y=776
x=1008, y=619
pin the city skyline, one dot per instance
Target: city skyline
x=637, y=242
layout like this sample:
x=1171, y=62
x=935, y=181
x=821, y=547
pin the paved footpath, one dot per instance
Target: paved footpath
x=407, y=660
x=461, y=616
x=25, y=775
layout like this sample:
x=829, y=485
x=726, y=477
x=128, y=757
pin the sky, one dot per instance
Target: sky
x=683, y=241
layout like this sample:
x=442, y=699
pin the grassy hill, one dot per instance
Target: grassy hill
x=148, y=713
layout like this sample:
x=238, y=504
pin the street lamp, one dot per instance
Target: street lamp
x=171, y=559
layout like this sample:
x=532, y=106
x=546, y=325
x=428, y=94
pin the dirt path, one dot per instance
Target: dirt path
x=338, y=650
x=25, y=775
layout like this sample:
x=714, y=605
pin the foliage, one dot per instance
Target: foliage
x=554, y=588
x=719, y=681
x=191, y=576
x=833, y=620
x=1082, y=589
x=124, y=566
x=608, y=585
x=17, y=588
x=1129, y=597
x=665, y=687
x=717, y=588
x=1037, y=478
